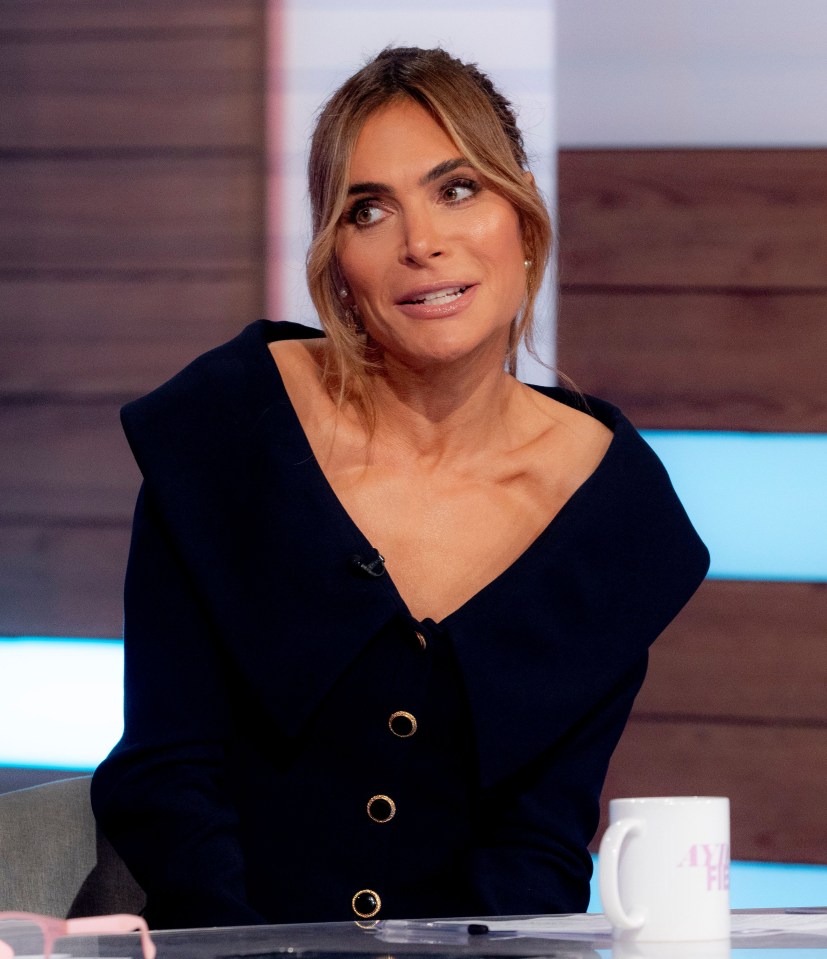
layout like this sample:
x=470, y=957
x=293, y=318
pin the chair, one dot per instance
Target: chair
x=54, y=859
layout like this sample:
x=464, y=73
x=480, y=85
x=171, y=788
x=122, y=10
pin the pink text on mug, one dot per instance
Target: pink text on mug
x=712, y=857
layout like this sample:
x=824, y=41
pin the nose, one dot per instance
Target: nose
x=423, y=238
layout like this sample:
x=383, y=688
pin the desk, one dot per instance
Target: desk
x=390, y=940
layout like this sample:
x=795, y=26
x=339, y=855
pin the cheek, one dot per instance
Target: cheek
x=359, y=265
x=496, y=233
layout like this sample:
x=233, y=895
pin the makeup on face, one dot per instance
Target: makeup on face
x=432, y=255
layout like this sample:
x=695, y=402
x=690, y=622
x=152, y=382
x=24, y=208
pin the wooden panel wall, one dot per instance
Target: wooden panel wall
x=694, y=295
x=131, y=239
x=694, y=285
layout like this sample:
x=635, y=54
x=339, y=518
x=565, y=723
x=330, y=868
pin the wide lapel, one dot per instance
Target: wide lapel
x=311, y=610
x=245, y=505
x=573, y=618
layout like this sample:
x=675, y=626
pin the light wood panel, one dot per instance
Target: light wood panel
x=773, y=776
x=116, y=337
x=694, y=218
x=689, y=360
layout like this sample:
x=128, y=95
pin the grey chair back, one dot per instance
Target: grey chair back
x=55, y=860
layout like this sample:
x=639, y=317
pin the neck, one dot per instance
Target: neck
x=442, y=410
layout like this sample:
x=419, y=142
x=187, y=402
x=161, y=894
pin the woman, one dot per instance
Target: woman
x=387, y=608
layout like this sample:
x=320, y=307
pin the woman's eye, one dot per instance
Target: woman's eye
x=458, y=190
x=365, y=213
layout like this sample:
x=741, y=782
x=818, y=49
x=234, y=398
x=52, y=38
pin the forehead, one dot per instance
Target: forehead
x=400, y=139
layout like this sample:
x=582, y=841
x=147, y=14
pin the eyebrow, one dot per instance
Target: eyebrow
x=440, y=170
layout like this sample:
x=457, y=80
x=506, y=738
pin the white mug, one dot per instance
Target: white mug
x=664, y=869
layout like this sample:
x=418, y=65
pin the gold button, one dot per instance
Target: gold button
x=381, y=808
x=366, y=903
x=422, y=641
x=402, y=724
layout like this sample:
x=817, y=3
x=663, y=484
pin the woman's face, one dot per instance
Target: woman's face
x=432, y=257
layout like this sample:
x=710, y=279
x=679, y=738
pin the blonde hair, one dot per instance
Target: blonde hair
x=480, y=121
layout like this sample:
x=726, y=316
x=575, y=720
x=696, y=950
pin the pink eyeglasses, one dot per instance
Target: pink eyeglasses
x=53, y=929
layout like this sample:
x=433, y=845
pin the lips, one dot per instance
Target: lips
x=439, y=296
x=437, y=300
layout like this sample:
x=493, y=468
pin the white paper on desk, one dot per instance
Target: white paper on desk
x=589, y=925
x=596, y=926
x=778, y=923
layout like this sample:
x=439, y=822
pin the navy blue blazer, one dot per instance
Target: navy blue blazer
x=297, y=747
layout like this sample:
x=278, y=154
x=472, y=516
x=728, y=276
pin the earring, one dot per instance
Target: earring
x=343, y=292
x=352, y=319
x=527, y=264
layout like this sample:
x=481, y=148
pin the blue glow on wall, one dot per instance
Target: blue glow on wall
x=61, y=701
x=759, y=885
x=758, y=500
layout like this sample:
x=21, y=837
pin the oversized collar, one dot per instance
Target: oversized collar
x=538, y=649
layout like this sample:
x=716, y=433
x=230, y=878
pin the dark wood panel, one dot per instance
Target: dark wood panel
x=62, y=581
x=24, y=18
x=743, y=361
x=743, y=650
x=127, y=214
x=96, y=88
x=123, y=337
x=774, y=779
x=67, y=461
x=751, y=218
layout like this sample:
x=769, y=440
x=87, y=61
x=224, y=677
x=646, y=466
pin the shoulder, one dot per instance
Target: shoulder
x=628, y=513
x=214, y=400
x=580, y=405
x=575, y=434
x=226, y=379
x=599, y=424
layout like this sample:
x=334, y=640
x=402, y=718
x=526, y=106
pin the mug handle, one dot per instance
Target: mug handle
x=609, y=862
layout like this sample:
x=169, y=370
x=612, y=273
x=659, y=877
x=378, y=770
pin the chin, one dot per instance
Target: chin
x=440, y=345
x=435, y=352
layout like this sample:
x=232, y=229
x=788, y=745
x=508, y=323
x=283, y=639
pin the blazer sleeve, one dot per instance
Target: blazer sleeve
x=159, y=795
x=533, y=856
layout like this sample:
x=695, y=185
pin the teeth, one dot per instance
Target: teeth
x=442, y=296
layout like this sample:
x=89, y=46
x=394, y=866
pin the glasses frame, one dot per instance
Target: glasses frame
x=54, y=929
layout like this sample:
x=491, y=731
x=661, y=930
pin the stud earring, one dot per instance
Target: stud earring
x=527, y=264
x=343, y=292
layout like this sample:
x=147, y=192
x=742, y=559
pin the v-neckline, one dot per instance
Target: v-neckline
x=347, y=521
